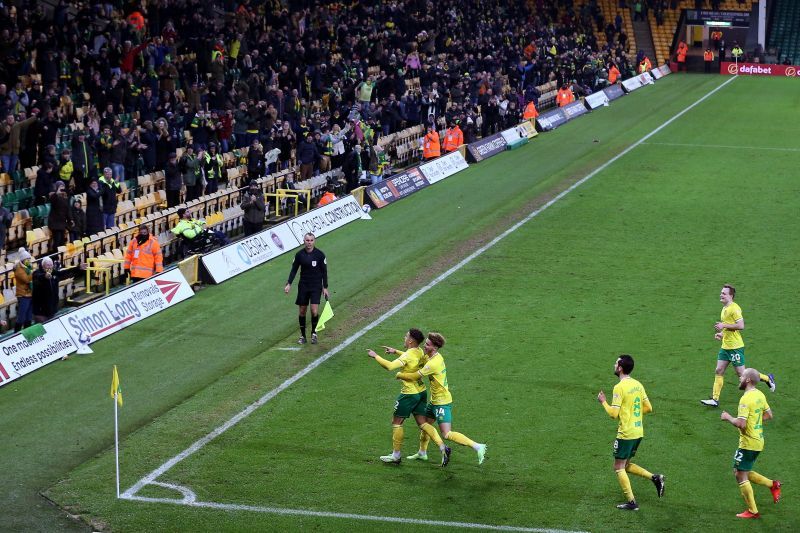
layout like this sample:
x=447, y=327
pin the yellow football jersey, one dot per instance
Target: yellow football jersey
x=437, y=374
x=731, y=339
x=630, y=397
x=751, y=407
x=413, y=359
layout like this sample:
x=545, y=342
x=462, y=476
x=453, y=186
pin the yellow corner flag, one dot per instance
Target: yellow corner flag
x=115, y=388
x=327, y=314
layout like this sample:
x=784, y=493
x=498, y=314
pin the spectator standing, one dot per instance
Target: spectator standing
x=255, y=161
x=82, y=161
x=255, y=209
x=78, y=229
x=94, y=209
x=45, y=177
x=189, y=167
x=173, y=180
x=430, y=144
x=23, y=278
x=353, y=167
x=212, y=165
x=307, y=155
x=6, y=217
x=45, y=291
x=60, y=219
x=109, y=188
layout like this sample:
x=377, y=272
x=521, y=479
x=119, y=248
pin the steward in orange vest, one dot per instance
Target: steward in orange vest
x=530, y=111
x=708, y=57
x=645, y=65
x=143, y=257
x=564, y=96
x=613, y=74
x=431, y=148
x=328, y=197
x=453, y=138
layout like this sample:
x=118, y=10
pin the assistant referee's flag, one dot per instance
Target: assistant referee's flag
x=116, y=391
x=327, y=314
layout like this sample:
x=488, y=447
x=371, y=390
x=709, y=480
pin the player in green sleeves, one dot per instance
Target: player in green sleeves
x=413, y=396
x=440, y=403
x=753, y=410
x=629, y=404
x=729, y=328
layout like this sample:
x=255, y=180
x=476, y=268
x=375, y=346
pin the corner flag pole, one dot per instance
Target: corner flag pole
x=116, y=439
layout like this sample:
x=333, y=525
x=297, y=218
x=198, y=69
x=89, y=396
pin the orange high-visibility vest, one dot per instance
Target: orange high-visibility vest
x=430, y=145
x=708, y=55
x=327, y=198
x=530, y=111
x=145, y=260
x=613, y=75
x=453, y=139
x=564, y=97
x=645, y=65
x=682, y=51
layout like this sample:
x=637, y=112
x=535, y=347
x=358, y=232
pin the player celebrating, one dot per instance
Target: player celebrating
x=313, y=281
x=629, y=404
x=753, y=410
x=413, y=395
x=440, y=403
x=732, y=351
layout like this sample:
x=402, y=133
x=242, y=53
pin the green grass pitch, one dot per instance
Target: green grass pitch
x=629, y=262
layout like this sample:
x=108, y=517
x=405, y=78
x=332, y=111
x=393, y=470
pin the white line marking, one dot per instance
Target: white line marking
x=325, y=514
x=152, y=476
x=290, y=349
x=188, y=495
x=726, y=146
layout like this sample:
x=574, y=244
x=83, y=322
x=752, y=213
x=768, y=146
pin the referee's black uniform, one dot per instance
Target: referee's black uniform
x=313, y=277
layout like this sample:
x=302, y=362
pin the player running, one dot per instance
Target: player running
x=440, y=403
x=732, y=351
x=753, y=410
x=629, y=404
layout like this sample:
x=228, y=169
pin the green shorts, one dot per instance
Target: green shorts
x=626, y=449
x=441, y=413
x=744, y=459
x=734, y=356
x=408, y=404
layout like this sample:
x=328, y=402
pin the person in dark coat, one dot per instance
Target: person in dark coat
x=94, y=209
x=78, y=229
x=45, y=291
x=353, y=167
x=60, y=218
x=173, y=180
x=6, y=217
x=109, y=188
x=45, y=177
x=254, y=207
x=255, y=161
x=82, y=161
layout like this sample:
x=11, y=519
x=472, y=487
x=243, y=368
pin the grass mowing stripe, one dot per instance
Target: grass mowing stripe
x=350, y=516
x=693, y=145
x=200, y=443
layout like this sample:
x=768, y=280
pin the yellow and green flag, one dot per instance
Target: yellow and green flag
x=327, y=314
x=115, y=388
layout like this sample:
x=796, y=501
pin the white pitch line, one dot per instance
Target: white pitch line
x=391, y=312
x=350, y=516
x=757, y=148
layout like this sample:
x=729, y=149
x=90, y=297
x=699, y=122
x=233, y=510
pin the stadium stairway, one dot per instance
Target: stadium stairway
x=644, y=40
x=784, y=32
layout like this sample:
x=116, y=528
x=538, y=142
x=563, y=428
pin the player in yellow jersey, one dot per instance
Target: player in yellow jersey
x=413, y=398
x=753, y=410
x=629, y=404
x=440, y=402
x=729, y=328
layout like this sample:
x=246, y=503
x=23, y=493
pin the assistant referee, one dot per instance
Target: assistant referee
x=313, y=282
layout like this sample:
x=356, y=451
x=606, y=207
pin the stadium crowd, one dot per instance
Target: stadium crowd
x=293, y=76
x=297, y=82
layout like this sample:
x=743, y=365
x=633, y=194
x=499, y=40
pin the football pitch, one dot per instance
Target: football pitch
x=612, y=234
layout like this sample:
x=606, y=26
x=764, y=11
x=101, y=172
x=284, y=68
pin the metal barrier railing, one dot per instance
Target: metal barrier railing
x=104, y=272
